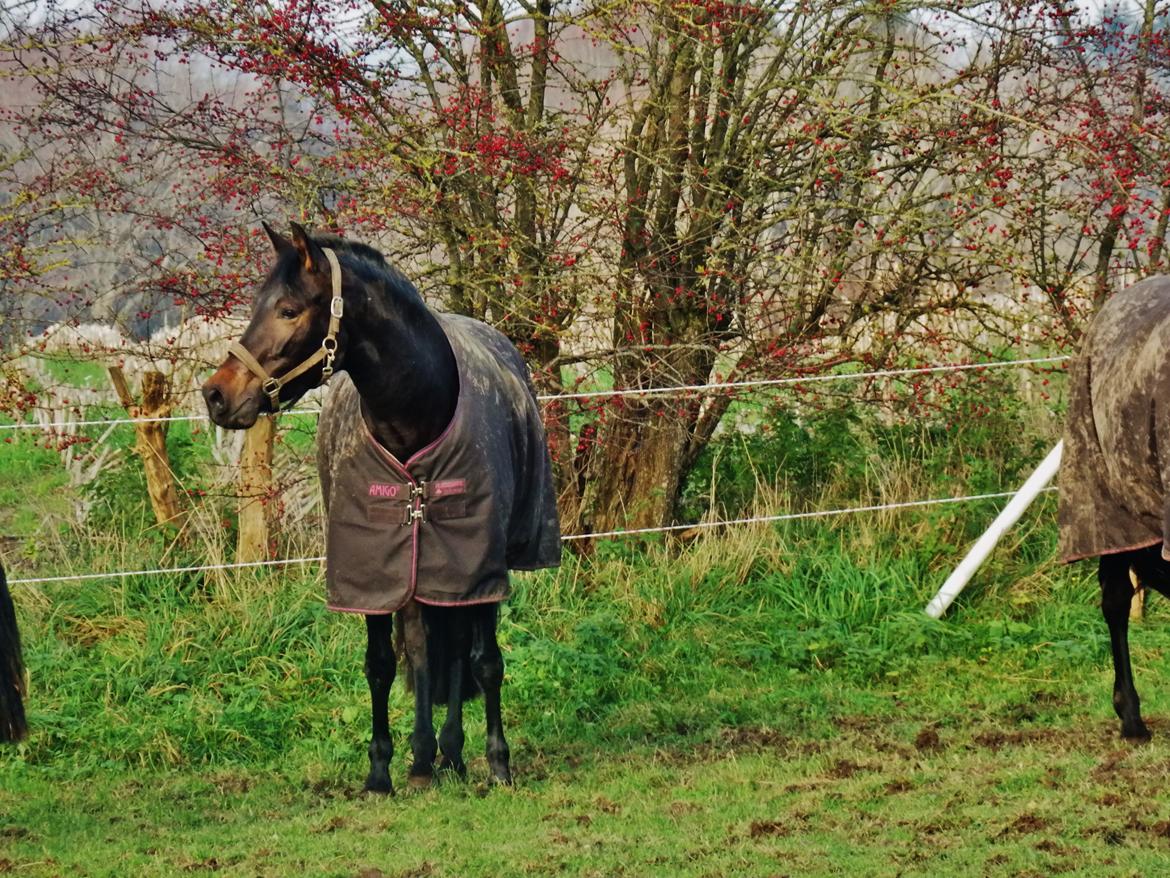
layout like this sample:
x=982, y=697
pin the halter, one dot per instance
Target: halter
x=326, y=352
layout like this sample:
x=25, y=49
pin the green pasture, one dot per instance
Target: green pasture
x=766, y=700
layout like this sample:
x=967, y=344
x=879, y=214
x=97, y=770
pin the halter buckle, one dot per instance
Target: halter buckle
x=336, y=307
x=271, y=387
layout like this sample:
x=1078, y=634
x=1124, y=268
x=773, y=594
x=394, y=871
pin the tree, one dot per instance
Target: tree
x=642, y=194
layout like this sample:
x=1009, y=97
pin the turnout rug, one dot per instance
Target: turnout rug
x=1116, y=462
x=445, y=526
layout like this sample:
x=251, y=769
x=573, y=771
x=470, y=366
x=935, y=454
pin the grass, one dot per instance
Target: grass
x=707, y=710
x=876, y=799
x=769, y=700
x=1007, y=764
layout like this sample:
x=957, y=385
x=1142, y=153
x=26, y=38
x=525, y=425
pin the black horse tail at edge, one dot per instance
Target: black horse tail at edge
x=12, y=722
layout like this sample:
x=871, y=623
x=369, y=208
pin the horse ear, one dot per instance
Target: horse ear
x=312, y=257
x=279, y=242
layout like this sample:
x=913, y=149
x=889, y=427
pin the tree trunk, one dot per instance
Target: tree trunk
x=151, y=440
x=636, y=482
x=255, y=491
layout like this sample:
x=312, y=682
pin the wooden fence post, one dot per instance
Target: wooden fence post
x=151, y=440
x=1137, y=604
x=255, y=490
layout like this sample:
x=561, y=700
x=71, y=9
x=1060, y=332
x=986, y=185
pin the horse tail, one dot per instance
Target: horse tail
x=441, y=680
x=12, y=722
x=448, y=641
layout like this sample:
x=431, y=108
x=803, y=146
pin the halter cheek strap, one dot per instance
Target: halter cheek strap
x=327, y=352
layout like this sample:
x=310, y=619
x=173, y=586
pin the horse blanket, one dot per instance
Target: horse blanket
x=1116, y=463
x=445, y=526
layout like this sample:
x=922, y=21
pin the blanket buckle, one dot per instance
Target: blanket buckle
x=415, y=513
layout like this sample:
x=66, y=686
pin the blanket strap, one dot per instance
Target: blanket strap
x=327, y=352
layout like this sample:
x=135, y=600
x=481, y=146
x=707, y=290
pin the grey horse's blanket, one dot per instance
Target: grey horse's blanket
x=1116, y=460
x=445, y=526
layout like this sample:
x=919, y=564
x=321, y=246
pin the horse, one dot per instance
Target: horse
x=12, y=722
x=434, y=469
x=1114, y=505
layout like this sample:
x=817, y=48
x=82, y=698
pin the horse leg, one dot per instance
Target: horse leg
x=380, y=664
x=487, y=667
x=1116, y=596
x=451, y=735
x=422, y=740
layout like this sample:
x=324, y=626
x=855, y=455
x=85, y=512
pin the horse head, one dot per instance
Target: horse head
x=290, y=343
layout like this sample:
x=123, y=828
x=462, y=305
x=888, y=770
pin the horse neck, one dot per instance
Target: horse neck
x=402, y=365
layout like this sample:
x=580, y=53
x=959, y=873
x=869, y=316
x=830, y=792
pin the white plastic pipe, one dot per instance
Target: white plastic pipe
x=983, y=546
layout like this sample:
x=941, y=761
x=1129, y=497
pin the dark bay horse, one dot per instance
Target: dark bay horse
x=434, y=469
x=1115, y=473
x=12, y=723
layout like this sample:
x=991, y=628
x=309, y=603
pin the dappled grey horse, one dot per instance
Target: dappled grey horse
x=1115, y=475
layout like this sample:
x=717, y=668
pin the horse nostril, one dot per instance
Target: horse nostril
x=213, y=396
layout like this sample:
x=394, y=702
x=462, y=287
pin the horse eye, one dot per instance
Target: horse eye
x=289, y=313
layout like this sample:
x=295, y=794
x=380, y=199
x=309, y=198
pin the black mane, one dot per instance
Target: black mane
x=355, y=248
x=371, y=266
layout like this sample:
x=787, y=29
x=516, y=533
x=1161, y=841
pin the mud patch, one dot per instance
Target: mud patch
x=232, y=784
x=765, y=828
x=1025, y=824
x=211, y=864
x=1111, y=835
x=754, y=738
x=423, y=870
x=1157, y=829
x=1056, y=849
x=331, y=789
x=844, y=768
x=1110, y=764
x=996, y=739
x=928, y=741
x=333, y=824
x=606, y=806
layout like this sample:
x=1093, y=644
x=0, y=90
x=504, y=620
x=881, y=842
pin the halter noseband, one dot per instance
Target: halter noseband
x=326, y=352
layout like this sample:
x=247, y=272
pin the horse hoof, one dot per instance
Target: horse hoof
x=1138, y=735
x=420, y=781
x=379, y=786
x=501, y=778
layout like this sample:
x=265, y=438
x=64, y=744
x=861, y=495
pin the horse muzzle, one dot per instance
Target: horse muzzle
x=233, y=399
